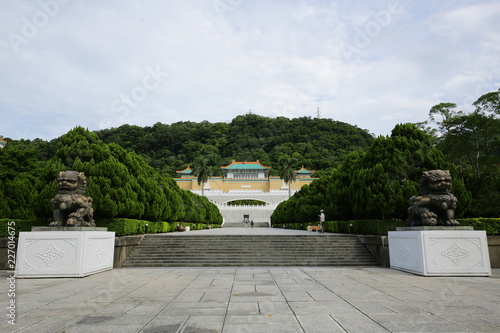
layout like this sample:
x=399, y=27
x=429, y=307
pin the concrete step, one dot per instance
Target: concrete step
x=241, y=243
x=250, y=255
x=242, y=225
x=291, y=252
x=250, y=247
x=249, y=250
x=358, y=252
x=248, y=263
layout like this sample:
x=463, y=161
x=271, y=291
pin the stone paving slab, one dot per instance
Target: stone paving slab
x=254, y=299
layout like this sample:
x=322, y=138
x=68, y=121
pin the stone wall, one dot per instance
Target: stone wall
x=494, y=250
x=379, y=247
x=123, y=246
x=3, y=251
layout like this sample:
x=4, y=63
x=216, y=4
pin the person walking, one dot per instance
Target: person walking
x=321, y=219
x=251, y=223
x=246, y=223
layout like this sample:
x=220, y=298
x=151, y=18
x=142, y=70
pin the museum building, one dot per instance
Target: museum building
x=244, y=181
x=237, y=176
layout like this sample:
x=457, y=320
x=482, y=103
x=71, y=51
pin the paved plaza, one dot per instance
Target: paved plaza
x=254, y=299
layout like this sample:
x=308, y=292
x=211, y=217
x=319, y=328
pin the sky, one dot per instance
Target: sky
x=369, y=63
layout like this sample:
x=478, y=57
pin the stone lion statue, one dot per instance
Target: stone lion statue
x=435, y=205
x=71, y=207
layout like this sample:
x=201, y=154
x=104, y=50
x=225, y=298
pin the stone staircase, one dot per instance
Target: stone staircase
x=250, y=250
x=242, y=225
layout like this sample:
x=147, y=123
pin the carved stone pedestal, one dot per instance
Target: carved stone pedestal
x=57, y=253
x=440, y=251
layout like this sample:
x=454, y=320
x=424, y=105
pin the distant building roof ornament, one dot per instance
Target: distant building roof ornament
x=245, y=165
x=186, y=172
x=304, y=172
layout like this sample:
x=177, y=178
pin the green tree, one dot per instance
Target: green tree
x=20, y=163
x=305, y=205
x=319, y=143
x=121, y=183
x=287, y=173
x=489, y=103
x=203, y=173
x=446, y=111
x=471, y=141
x=375, y=184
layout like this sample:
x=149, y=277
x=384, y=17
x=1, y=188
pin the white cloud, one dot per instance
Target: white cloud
x=478, y=19
x=275, y=58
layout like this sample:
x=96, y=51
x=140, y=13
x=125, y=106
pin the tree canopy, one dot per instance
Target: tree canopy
x=471, y=141
x=130, y=168
x=316, y=143
x=121, y=184
x=375, y=184
x=287, y=174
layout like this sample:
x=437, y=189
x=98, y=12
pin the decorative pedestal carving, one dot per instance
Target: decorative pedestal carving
x=446, y=251
x=64, y=253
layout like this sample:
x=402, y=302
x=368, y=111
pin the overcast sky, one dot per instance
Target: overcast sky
x=370, y=63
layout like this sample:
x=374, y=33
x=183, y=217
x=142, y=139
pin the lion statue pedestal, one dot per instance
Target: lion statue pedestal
x=71, y=246
x=434, y=244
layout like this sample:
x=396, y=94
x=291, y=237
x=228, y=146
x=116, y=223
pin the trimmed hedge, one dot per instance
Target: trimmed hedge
x=121, y=226
x=124, y=227
x=20, y=225
x=360, y=227
x=381, y=227
x=490, y=225
x=369, y=227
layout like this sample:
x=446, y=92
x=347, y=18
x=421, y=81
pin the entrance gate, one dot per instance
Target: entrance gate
x=236, y=214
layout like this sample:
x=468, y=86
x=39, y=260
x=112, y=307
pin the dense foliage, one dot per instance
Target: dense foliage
x=129, y=168
x=121, y=184
x=381, y=227
x=378, y=183
x=471, y=141
x=121, y=226
x=316, y=143
x=375, y=184
x=129, y=173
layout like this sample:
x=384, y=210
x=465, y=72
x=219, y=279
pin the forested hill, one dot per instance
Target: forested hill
x=316, y=143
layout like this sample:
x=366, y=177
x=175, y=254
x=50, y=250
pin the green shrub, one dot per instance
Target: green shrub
x=121, y=226
x=381, y=227
x=490, y=225
x=124, y=227
x=375, y=227
x=20, y=225
x=199, y=226
x=295, y=226
x=331, y=226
